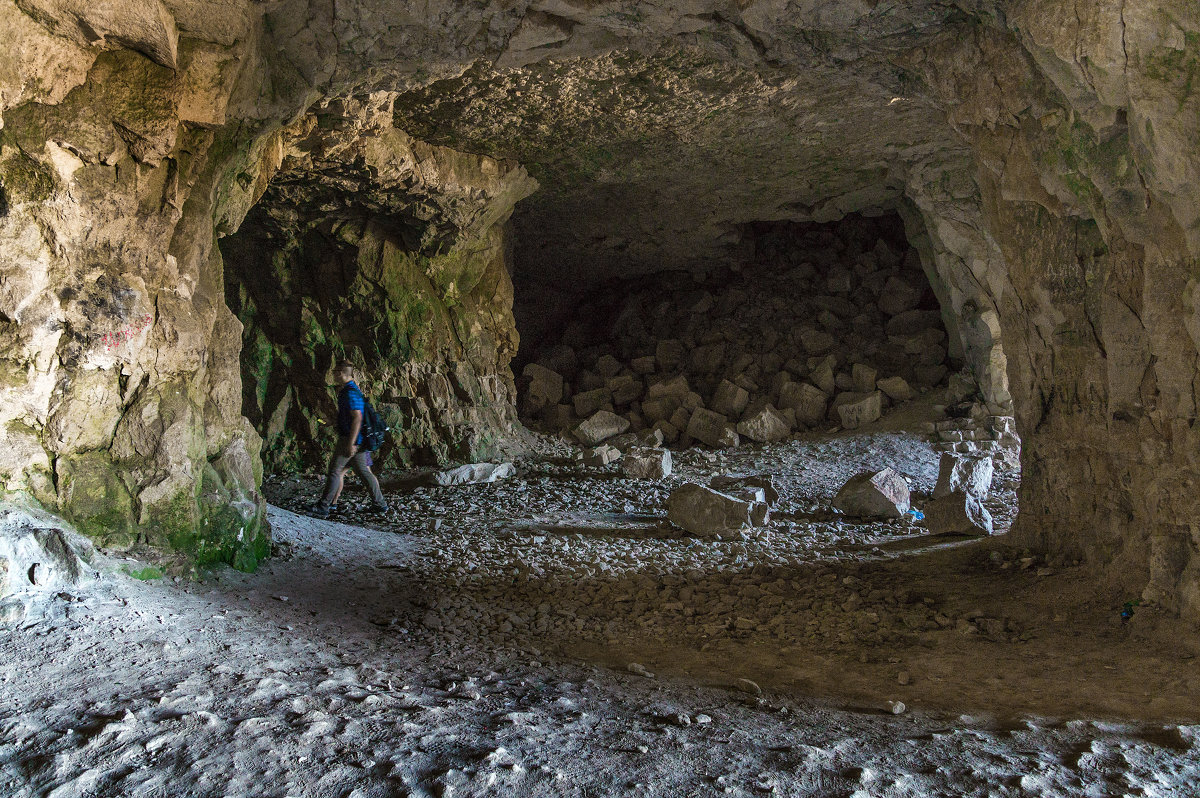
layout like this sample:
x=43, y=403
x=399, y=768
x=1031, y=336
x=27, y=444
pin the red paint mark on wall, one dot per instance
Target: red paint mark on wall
x=124, y=334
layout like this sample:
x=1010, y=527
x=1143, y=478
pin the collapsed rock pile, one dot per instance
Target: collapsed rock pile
x=827, y=332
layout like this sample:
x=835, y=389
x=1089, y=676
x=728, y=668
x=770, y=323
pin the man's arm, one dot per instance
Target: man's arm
x=346, y=444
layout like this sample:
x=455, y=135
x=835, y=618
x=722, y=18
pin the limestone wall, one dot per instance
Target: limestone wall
x=1048, y=151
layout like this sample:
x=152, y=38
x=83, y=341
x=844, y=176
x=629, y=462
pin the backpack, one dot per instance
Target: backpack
x=373, y=428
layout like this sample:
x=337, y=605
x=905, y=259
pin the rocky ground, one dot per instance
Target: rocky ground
x=550, y=635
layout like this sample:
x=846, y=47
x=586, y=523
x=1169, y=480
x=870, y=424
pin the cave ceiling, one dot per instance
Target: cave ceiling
x=655, y=130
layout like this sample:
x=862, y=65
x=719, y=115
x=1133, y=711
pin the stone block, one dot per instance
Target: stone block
x=625, y=389
x=808, y=401
x=874, y=494
x=474, y=473
x=712, y=429
x=600, y=427
x=708, y=359
x=602, y=455
x=669, y=432
x=765, y=426
x=863, y=378
x=608, y=366
x=732, y=483
x=729, y=399
x=545, y=387
x=660, y=409
x=972, y=475
x=669, y=354
x=912, y=322
x=958, y=513
x=589, y=402
x=896, y=388
x=898, y=296
x=647, y=463
x=708, y=513
x=644, y=365
x=676, y=387
x=855, y=410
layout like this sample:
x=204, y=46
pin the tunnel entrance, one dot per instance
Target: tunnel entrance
x=810, y=327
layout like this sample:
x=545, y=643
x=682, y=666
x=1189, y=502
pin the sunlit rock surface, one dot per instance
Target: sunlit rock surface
x=1043, y=157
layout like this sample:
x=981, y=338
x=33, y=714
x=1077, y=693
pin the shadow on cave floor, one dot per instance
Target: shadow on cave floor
x=861, y=613
x=494, y=653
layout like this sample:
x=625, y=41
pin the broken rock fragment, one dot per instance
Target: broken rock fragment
x=474, y=473
x=874, y=494
x=958, y=513
x=600, y=427
x=647, y=463
x=896, y=388
x=732, y=483
x=545, y=386
x=708, y=513
x=712, y=429
x=855, y=410
x=972, y=475
x=808, y=401
x=602, y=455
x=765, y=426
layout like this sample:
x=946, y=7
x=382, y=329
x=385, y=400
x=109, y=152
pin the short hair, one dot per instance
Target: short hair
x=343, y=367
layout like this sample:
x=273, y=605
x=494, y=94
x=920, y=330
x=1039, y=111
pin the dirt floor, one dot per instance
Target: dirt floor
x=551, y=635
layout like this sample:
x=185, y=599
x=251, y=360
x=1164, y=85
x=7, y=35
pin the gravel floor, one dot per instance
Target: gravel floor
x=550, y=635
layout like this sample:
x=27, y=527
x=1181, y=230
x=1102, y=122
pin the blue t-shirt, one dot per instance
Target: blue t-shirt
x=350, y=398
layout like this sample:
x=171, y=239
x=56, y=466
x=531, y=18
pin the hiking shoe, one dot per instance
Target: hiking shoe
x=381, y=511
x=318, y=511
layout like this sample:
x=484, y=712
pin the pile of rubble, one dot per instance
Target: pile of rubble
x=826, y=341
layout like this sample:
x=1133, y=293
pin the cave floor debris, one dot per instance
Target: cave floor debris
x=504, y=651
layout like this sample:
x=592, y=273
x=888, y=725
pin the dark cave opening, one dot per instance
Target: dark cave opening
x=808, y=318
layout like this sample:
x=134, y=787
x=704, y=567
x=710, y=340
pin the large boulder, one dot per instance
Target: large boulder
x=808, y=401
x=708, y=513
x=473, y=473
x=647, y=463
x=733, y=483
x=712, y=429
x=765, y=426
x=545, y=387
x=856, y=409
x=600, y=427
x=896, y=388
x=729, y=399
x=958, y=513
x=874, y=494
x=898, y=296
x=39, y=555
x=972, y=475
x=589, y=402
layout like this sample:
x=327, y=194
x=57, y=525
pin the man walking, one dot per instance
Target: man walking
x=350, y=438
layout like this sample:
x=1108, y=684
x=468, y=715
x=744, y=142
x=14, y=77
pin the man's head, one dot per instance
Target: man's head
x=343, y=372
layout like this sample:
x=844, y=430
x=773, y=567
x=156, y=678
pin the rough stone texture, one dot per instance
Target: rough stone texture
x=972, y=475
x=731, y=483
x=709, y=513
x=765, y=426
x=1042, y=155
x=38, y=555
x=855, y=410
x=646, y=463
x=712, y=429
x=600, y=427
x=874, y=494
x=958, y=513
x=334, y=261
x=474, y=473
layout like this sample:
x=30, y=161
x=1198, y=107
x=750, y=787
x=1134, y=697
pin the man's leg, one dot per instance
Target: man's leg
x=363, y=470
x=333, y=480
